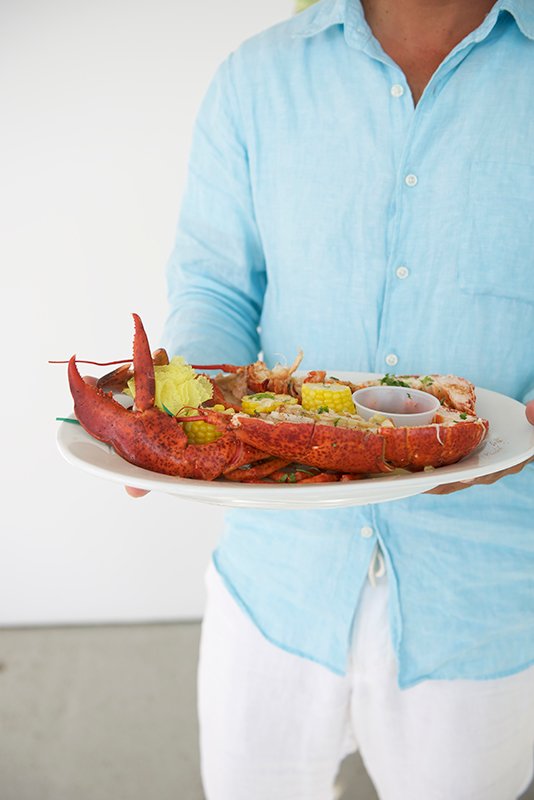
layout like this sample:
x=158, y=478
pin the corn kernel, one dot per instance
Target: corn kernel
x=265, y=402
x=201, y=432
x=222, y=409
x=327, y=397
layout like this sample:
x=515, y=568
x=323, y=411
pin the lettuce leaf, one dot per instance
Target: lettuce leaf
x=178, y=385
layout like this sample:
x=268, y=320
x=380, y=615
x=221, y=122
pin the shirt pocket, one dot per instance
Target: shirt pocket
x=499, y=257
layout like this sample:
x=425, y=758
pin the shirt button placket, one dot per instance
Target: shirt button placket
x=402, y=272
x=410, y=180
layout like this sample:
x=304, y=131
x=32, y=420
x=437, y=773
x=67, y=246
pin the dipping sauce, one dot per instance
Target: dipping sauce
x=402, y=405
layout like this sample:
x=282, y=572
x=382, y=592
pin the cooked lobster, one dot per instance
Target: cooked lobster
x=289, y=444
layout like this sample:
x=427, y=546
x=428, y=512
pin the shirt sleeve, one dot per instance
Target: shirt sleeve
x=216, y=273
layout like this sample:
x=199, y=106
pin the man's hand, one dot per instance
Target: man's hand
x=448, y=488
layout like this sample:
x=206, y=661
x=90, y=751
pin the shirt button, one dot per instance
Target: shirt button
x=397, y=90
x=366, y=532
x=392, y=360
x=410, y=180
x=402, y=272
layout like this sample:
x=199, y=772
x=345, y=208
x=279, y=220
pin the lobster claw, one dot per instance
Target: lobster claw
x=97, y=411
x=147, y=437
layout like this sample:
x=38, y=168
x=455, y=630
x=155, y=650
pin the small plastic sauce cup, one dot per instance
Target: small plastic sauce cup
x=405, y=407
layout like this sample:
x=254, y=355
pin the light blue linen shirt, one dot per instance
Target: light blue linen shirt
x=312, y=180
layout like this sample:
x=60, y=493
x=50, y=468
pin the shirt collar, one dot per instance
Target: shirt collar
x=320, y=17
x=523, y=13
x=349, y=13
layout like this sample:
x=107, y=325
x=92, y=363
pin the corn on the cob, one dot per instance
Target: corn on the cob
x=265, y=402
x=204, y=432
x=327, y=397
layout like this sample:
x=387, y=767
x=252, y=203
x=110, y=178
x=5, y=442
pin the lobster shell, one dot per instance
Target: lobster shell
x=362, y=451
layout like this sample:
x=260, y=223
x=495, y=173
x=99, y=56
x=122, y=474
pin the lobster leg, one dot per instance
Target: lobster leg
x=117, y=379
x=257, y=472
x=322, y=477
x=222, y=367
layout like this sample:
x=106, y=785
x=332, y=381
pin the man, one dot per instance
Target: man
x=361, y=186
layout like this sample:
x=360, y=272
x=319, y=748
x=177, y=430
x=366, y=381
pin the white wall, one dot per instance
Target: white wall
x=97, y=103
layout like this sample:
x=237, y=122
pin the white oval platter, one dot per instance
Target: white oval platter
x=510, y=441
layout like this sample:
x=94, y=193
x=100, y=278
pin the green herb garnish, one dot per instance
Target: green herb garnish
x=323, y=409
x=68, y=419
x=392, y=380
x=426, y=380
x=262, y=396
x=463, y=416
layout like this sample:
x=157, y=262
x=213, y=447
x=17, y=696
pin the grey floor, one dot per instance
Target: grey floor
x=95, y=713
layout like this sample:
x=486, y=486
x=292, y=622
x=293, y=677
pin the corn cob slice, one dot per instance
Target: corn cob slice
x=327, y=397
x=204, y=432
x=265, y=402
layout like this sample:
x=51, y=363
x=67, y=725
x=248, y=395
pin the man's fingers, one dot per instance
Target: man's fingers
x=136, y=492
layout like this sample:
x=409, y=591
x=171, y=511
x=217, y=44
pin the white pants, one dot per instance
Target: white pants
x=274, y=726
